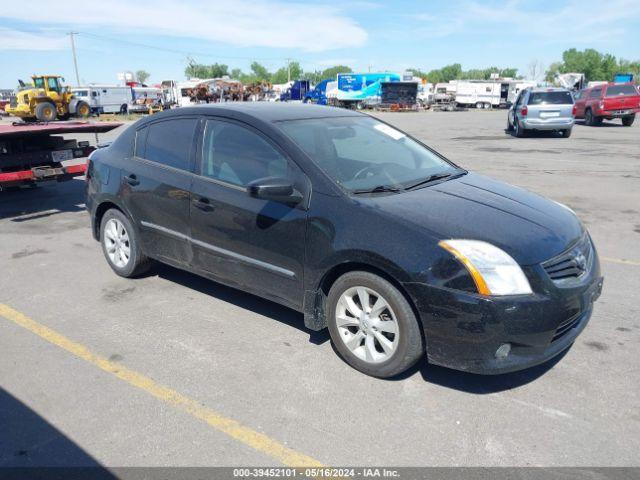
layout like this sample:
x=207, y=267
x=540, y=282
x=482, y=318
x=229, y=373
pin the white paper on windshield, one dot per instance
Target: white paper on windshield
x=387, y=130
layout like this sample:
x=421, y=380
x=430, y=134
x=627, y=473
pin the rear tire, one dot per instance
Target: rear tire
x=566, y=133
x=518, y=130
x=46, y=112
x=121, y=246
x=591, y=120
x=359, y=335
x=479, y=105
x=124, y=109
x=628, y=121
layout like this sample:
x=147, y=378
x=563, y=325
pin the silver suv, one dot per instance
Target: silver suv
x=542, y=109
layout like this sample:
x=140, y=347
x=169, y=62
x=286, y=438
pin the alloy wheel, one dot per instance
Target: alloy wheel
x=367, y=325
x=116, y=242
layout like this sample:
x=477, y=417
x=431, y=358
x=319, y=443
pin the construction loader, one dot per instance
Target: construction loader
x=46, y=100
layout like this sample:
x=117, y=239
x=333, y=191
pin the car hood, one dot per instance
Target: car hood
x=527, y=226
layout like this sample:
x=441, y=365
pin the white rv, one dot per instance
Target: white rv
x=105, y=98
x=479, y=93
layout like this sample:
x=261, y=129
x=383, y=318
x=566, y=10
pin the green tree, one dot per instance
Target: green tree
x=332, y=72
x=260, y=72
x=416, y=72
x=282, y=74
x=236, y=74
x=142, y=76
x=451, y=72
x=552, y=71
x=198, y=70
x=594, y=65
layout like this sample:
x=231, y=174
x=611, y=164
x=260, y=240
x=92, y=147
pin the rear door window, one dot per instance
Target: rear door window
x=595, y=93
x=169, y=142
x=550, y=98
x=621, y=90
x=141, y=138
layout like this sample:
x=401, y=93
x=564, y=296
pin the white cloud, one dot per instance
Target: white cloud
x=576, y=21
x=243, y=23
x=11, y=39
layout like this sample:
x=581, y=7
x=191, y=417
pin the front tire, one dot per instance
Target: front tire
x=628, y=121
x=46, y=112
x=372, y=325
x=121, y=246
x=82, y=109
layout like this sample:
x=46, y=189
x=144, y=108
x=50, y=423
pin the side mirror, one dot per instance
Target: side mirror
x=274, y=189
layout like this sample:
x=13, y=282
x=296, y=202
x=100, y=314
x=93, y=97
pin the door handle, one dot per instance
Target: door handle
x=203, y=204
x=132, y=180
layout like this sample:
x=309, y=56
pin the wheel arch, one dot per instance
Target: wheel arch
x=99, y=212
x=315, y=300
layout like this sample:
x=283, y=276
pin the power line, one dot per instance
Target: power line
x=176, y=51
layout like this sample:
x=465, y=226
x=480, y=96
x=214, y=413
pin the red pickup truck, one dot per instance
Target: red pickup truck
x=612, y=100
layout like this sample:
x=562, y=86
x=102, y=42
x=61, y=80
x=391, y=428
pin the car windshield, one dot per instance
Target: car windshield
x=361, y=153
x=621, y=90
x=550, y=98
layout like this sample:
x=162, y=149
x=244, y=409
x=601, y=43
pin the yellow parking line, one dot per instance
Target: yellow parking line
x=621, y=261
x=234, y=429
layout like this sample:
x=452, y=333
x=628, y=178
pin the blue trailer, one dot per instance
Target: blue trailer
x=623, y=78
x=356, y=90
x=297, y=91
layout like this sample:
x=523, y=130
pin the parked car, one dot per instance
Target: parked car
x=549, y=109
x=609, y=101
x=351, y=221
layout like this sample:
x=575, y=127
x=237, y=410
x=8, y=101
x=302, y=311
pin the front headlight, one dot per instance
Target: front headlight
x=493, y=270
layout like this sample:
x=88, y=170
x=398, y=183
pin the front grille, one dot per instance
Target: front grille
x=566, y=326
x=573, y=263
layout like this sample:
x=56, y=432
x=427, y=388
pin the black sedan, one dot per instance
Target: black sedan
x=349, y=220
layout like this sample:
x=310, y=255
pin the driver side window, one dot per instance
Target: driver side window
x=234, y=154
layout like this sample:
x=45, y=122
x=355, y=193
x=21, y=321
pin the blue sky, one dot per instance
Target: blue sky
x=117, y=35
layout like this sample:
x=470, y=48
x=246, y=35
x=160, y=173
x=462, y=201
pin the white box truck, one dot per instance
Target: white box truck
x=105, y=98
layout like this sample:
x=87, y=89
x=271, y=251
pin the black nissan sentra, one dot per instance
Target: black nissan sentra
x=351, y=221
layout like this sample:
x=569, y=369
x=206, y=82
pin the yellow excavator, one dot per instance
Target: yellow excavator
x=46, y=100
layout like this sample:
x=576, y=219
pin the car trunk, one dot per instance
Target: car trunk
x=547, y=106
x=628, y=99
x=549, y=112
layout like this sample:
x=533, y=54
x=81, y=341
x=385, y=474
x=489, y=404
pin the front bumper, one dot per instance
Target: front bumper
x=463, y=331
x=548, y=124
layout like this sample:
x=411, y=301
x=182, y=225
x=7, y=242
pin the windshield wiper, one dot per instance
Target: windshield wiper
x=433, y=178
x=378, y=189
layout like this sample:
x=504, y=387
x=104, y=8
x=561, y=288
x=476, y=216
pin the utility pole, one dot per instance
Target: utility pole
x=75, y=60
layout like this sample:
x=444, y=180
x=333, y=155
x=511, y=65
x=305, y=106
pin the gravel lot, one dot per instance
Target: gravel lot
x=253, y=361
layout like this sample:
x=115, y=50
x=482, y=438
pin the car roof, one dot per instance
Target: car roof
x=547, y=89
x=264, y=111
